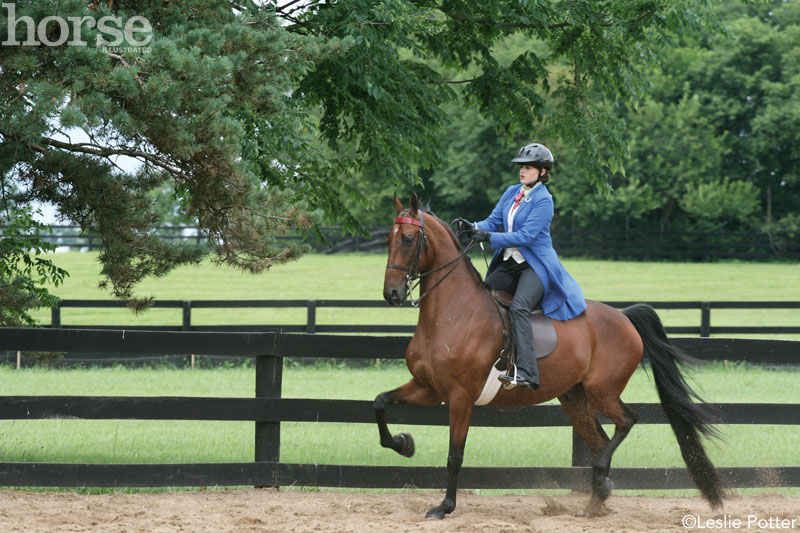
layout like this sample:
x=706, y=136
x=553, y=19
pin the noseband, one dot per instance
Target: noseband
x=413, y=277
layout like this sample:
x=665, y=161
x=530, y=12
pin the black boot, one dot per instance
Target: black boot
x=527, y=370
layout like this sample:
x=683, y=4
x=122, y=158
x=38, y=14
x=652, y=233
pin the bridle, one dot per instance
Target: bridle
x=413, y=278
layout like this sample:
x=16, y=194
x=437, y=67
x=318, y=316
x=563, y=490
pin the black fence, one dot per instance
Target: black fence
x=267, y=410
x=602, y=244
x=704, y=327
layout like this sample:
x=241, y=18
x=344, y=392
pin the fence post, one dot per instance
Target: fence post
x=705, y=319
x=55, y=315
x=581, y=456
x=269, y=375
x=311, y=316
x=187, y=324
x=187, y=316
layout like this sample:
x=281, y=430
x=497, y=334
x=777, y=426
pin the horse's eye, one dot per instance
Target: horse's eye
x=408, y=238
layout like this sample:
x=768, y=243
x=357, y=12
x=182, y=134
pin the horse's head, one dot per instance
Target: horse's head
x=408, y=245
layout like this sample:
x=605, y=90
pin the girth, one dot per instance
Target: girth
x=544, y=334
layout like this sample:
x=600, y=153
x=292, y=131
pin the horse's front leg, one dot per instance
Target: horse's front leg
x=413, y=393
x=460, y=417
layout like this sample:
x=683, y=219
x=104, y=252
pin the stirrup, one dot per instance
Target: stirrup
x=509, y=382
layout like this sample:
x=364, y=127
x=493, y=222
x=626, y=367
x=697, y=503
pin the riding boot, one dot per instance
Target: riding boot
x=527, y=367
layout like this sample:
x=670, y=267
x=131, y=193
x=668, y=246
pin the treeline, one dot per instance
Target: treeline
x=715, y=147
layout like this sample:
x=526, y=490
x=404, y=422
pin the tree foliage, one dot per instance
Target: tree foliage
x=747, y=87
x=712, y=147
x=23, y=269
x=259, y=115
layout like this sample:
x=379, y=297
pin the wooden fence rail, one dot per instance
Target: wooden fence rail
x=704, y=327
x=267, y=410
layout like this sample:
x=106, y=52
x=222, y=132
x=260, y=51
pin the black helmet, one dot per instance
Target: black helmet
x=535, y=154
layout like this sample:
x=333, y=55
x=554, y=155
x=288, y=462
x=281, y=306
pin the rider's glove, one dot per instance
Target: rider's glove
x=463, y=225
x=478, y=235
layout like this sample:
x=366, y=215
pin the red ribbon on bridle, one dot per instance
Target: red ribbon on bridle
x=407, y=220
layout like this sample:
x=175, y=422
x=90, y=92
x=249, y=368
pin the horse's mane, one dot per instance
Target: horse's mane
x=474, y=271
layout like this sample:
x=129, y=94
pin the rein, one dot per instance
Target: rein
x=413, y=278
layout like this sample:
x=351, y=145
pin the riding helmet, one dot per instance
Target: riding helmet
x=535, y=154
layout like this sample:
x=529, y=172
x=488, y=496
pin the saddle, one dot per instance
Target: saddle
x=544, y=334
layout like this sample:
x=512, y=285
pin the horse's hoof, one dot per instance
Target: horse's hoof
x=435, y=514
x=594, y=509
x=406, y=445
x=604, y=488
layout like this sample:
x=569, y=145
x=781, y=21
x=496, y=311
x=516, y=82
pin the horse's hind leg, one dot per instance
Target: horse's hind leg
x=584, y=419
x=413, y=393
x=583, y=414
x=623, y=419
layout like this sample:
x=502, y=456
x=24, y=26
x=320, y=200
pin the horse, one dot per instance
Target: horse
x=459, y=336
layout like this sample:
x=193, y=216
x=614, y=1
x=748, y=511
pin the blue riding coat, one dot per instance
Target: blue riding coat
x=563, y=298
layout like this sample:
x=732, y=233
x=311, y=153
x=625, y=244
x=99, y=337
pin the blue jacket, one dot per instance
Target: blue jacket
x=563, y=298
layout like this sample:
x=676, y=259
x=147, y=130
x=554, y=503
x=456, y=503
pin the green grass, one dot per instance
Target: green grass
x=360, y=277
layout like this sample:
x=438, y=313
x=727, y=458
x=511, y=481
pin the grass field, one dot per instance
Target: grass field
x=361, y=277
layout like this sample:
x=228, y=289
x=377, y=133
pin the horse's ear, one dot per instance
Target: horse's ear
x=414, y=202
x=397, y=205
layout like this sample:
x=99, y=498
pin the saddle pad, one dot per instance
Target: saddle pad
x=492, y=385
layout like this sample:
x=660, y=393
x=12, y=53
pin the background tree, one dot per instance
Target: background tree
x=748, y=89
x=260, y=113
x=723, y=108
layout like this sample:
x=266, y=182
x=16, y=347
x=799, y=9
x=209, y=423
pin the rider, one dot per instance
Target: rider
x=525, y=262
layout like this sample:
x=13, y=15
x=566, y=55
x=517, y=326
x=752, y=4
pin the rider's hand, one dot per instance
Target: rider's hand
x=463, y=225
x=478, y=235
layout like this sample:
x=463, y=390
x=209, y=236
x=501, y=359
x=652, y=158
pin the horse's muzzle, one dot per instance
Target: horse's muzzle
x=394, y=297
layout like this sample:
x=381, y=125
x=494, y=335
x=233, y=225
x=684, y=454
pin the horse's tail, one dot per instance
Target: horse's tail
x=686, y=417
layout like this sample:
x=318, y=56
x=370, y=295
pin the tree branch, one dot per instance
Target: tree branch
x=99, y=151
x=127, y=65
x=576, y=76
x=455, y=82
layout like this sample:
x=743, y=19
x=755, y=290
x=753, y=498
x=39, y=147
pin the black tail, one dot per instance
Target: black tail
x=686, y=417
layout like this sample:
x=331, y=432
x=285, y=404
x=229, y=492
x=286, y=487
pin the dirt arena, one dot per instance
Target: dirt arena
x=290, y=511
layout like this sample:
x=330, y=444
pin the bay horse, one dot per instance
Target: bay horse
x=458, y=338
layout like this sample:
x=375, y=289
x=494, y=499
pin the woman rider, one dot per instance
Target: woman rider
x=525, y=263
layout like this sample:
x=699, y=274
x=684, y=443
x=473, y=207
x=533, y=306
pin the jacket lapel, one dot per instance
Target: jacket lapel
x=507, y=207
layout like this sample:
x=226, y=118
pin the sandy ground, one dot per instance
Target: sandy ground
x=284, y=511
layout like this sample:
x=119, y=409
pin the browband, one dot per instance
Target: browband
x=407, y=220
